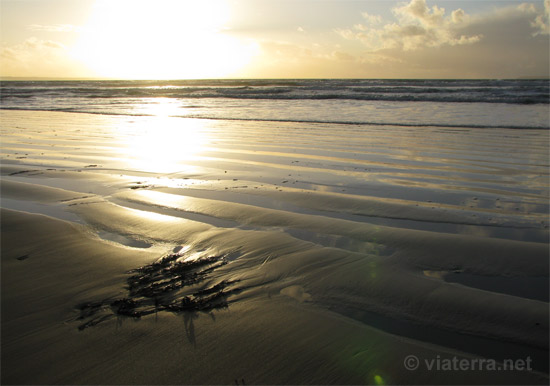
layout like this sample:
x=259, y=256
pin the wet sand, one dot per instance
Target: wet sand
x=323, y=254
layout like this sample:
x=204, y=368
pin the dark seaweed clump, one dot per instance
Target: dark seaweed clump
x=165, y=285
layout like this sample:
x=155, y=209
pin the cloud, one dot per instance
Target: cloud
x=37, y=57
x=417, y=11
x=541, y=22
x=41, y=45
x=417, y=26
x=372, y=19
x=52, y=28
x=535, y=16
x=432, y=42
x=342, y=56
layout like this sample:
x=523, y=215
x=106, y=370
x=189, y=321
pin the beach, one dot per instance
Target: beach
x=162, y=249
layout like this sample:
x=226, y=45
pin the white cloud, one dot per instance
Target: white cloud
x=52, y=28
x=36, y=57
x=341, y=56
x=430, y=41
x=418, y=12
x=41, y=45
x=350, y=34
x=417, y=26
x=372, y=19
x=457, y=16
x=541, y=22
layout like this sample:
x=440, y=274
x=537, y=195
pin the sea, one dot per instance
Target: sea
x=514, y=104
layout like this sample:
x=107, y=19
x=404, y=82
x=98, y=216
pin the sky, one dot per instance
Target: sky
x=185, y=39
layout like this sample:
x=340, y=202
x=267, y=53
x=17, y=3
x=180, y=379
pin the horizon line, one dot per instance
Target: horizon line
x=61, y=79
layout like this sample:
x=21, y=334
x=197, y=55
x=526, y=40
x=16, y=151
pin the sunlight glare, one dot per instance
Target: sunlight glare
x=161, y=39
x=151, y=215
x=165, y=144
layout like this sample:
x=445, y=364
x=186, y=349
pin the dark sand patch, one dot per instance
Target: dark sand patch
x=270, y=340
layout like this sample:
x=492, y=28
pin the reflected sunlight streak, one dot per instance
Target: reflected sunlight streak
x=163, y=143
x=152, y=215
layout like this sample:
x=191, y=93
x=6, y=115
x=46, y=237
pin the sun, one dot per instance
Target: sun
x=161, y=39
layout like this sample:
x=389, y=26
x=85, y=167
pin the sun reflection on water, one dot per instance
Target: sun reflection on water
x=152, y=215
x=162, y=143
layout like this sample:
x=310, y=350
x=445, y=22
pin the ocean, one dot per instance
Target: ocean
x=418, y=103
